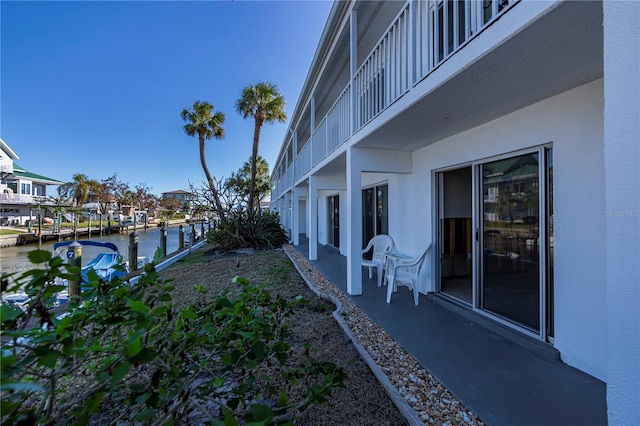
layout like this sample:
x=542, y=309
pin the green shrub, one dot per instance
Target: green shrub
x=260, y=229
x=128, y=354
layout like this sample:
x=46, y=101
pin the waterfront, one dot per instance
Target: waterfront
x=14, y=259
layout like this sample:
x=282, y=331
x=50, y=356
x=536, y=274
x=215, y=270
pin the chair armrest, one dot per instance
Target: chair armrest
x=407, y=262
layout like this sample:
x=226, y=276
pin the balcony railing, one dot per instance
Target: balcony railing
x=384, y=75
x=441, y=31
x=319, y=142
x=303, y=160
x=421, y=37
x=18, y=199
x=338, y=120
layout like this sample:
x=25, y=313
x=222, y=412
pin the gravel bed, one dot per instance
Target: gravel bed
x=433, y=403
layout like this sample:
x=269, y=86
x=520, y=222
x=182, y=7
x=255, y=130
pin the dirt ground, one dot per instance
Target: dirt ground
x=363, y=400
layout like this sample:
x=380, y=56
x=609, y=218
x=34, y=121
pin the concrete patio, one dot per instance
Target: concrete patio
x=507, y=378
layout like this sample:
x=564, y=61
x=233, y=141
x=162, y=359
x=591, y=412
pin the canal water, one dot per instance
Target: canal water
x=14, y=259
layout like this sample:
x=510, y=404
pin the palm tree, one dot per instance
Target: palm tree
x=79, y=189
x=264, y=103
x=203, y=121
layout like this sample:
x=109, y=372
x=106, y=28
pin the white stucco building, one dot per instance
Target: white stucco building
x=21, y=192
x=504, y=133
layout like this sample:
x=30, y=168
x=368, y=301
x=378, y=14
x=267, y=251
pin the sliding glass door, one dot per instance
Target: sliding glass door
x=511, y=239
x=375, y=213
x=495, y=238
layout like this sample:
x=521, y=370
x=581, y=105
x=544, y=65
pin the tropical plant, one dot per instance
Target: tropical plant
x=265, y=104
x=245, y=229
x=240, y=181
x=207, y=123
x=79, y=189
x=130, y=354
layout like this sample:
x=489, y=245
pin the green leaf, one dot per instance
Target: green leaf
x=53, y=289
x=229, y=420
x=218, y=382
x=158, y=256
x=145, y=415
x=138, y=306
x=92, y=404
x=246, y=334
x=283, y=399
x=49, y=359
x=134, y=346
x=240, y=280
x=145, y=356
x=56, y=262
x=160, y=310
x=188, y=313
x=118, y=374
x=261, y=412
x=7, y=313
x=258, y=349
x=39, y=256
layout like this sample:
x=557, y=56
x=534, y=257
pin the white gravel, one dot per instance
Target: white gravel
x=433, y=403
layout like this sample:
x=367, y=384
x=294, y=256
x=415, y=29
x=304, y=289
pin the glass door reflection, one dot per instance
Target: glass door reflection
x=510, y=239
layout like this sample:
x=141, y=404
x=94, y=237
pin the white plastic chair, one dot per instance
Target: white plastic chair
x=406, y=272
x=381, y=244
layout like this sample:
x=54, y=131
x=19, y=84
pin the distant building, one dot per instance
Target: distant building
x=183, y=196
x=20, y=191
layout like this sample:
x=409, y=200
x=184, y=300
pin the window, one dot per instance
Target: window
x=25, y=189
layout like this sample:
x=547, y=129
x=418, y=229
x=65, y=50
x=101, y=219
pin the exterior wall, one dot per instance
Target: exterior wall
x=302, y=216
x=572, y=121
x=622, y=209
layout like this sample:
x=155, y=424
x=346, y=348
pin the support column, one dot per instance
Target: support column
x=313, y=218
x=621, y=21
x=354, y=222
x=296, y=216
x=287, y=213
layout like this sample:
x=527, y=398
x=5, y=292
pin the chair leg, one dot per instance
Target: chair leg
x=379, y=276
x=390, y=285
x=370, y=273
x=415, y=292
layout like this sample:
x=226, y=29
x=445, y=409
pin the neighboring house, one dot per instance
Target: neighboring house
x=183, y=196
x=21, y=192
x=505, y=134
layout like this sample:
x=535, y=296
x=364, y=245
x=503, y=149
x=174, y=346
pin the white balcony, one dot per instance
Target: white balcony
x=6, y=198
x=422, y=35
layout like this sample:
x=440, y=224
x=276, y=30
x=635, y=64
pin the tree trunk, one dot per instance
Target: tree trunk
x=212, y=187
x=254, y=160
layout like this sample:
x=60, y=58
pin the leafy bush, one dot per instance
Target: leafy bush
x=244, y=229
x=128, y=354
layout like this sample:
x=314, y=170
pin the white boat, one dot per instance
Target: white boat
x=107, y=265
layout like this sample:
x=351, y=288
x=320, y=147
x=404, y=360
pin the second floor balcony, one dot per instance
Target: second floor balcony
x=401, y=75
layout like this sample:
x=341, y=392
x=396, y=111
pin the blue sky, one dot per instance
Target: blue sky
x=97, y=87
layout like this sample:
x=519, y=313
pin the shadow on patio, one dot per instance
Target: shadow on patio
x=505, y=377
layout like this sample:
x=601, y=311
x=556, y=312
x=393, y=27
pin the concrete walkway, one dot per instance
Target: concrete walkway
x=505, y=377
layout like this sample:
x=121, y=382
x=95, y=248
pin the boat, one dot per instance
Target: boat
x=107, y=265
